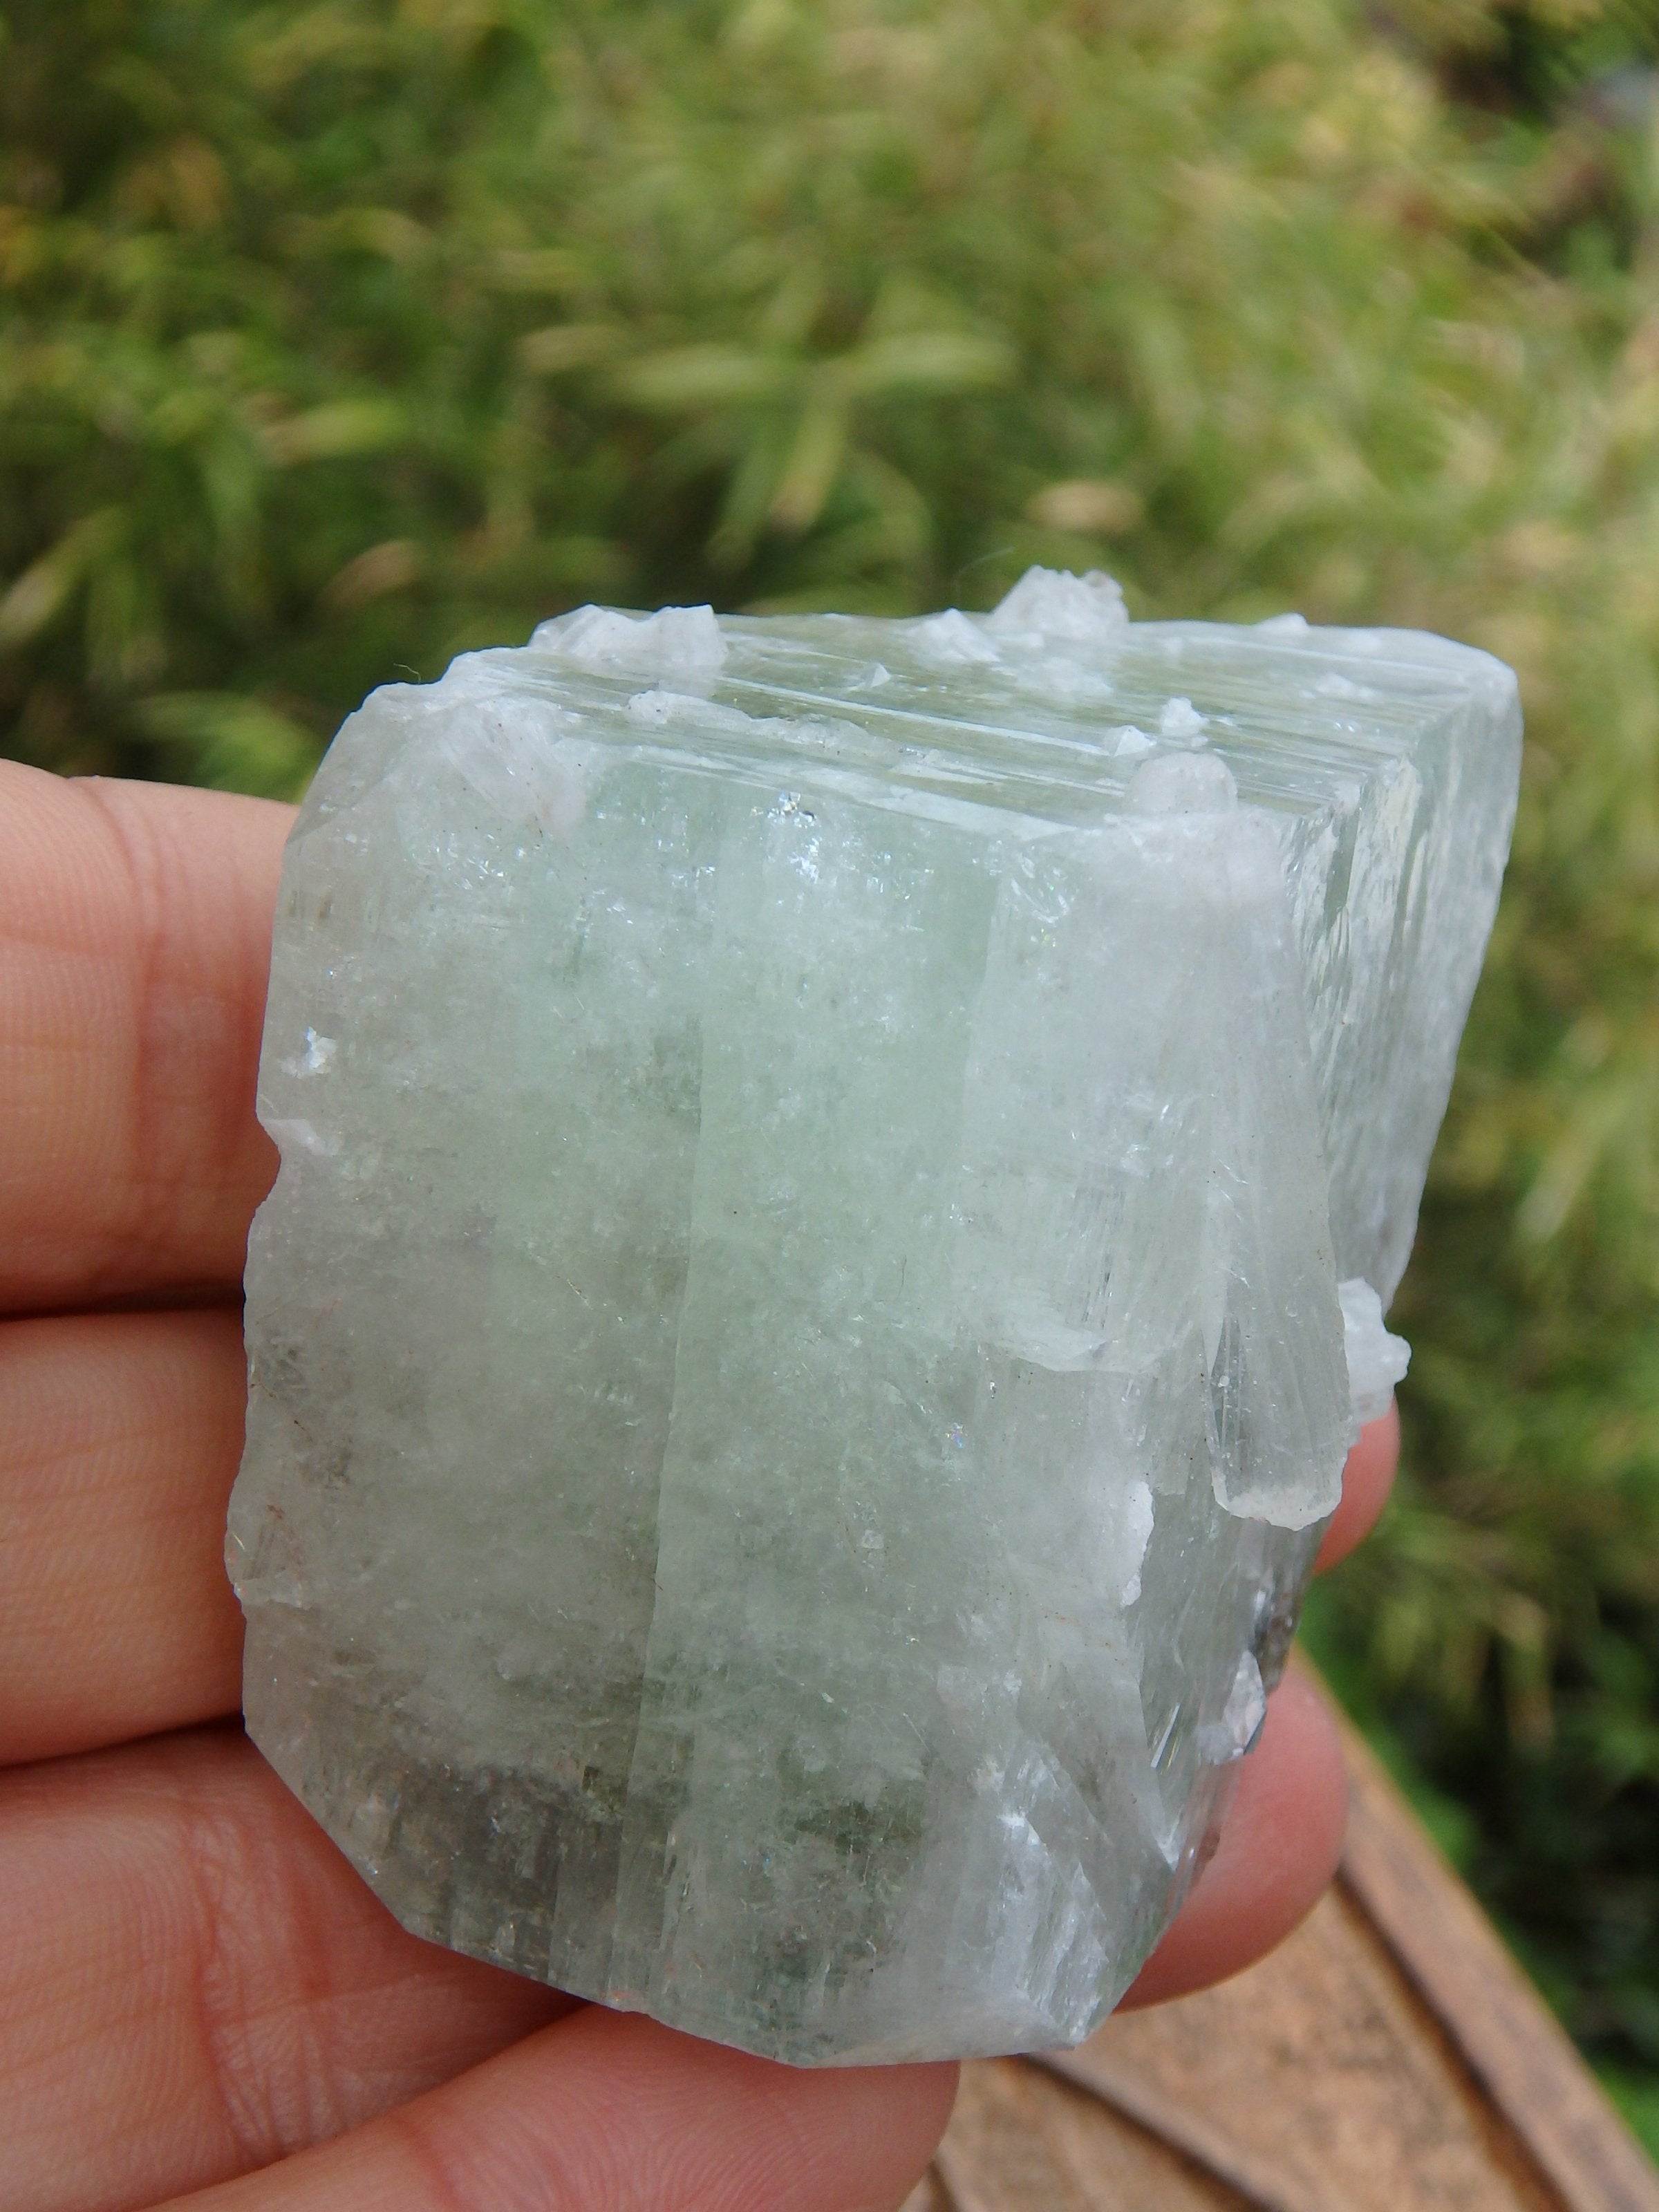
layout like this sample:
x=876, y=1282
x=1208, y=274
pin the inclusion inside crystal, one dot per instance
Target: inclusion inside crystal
x=797, y=1349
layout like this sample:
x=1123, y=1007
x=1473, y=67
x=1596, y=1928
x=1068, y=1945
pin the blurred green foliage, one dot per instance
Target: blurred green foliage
x=336, y=337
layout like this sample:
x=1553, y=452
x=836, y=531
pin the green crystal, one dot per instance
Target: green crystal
x=796, y=1351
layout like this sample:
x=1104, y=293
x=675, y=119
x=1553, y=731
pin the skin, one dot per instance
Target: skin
x=198, y=1997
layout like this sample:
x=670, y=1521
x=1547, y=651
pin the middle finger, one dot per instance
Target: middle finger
x=119, y=1435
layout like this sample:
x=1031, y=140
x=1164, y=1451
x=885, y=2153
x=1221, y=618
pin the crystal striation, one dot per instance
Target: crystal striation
x=796, y=1351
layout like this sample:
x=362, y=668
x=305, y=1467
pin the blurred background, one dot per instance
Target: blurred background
x=337, y=338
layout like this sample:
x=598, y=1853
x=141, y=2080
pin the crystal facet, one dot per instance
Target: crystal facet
x=797, y=1350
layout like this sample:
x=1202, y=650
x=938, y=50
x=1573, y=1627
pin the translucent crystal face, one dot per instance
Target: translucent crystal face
x=797, y=1362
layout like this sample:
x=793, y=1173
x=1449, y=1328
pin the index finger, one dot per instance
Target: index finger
x=135, y=946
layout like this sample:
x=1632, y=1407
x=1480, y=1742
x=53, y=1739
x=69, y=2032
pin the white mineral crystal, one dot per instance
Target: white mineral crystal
x=796, y=1351
x=1376, y=1361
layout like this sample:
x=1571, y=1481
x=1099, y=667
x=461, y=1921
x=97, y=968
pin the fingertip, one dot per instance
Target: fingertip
x=135, y=950
x=1280, y=1844
x=857, y=2137
x=612, y=2107
x=1367, y=1479
x=843, y=2138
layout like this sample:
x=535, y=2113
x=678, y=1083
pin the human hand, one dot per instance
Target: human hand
x=197, y=1993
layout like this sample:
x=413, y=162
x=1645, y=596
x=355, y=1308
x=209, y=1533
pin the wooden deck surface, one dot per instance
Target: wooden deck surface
x=1389, y=2056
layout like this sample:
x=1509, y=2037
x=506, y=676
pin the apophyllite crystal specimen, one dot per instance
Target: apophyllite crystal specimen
x=797, y=1350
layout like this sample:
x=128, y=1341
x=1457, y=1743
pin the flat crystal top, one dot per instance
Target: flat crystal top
x=1049, y=706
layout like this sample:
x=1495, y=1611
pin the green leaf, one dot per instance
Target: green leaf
x=564, y=346
x=813, y=464
x=233, y=743
x=690, y=379
x=928, y=362
x=338, y=430
x=34, y=600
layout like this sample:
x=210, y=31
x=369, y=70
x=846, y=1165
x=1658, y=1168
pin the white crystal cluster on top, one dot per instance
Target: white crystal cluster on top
x=797, y=1349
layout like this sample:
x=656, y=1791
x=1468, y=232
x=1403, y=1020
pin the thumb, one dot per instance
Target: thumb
x=608, y=2112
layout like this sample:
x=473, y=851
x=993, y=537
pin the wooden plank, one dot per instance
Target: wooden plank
x=929, y=2194
x=1022, y=2141
x=1180, y=2122
x=1512, y=2045
x=1317, y=2081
